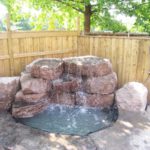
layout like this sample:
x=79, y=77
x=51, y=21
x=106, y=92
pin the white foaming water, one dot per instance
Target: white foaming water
x=82, y=94
x=62, y=110
x=74, y=123
x=83, y=110
x=96, y=117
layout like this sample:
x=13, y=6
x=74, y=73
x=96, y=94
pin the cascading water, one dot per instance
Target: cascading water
x=72, y=107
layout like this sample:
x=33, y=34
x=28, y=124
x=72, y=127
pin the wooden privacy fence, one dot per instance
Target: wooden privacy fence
x=18, y=49
x=130, y=56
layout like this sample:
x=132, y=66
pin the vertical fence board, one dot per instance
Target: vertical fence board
x=120, y=53
x=134, y=59
x=144, y=66
x=130, y=56
x=113, y=54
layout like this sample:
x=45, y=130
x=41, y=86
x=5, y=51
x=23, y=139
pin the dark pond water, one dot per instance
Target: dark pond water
x=72, y=120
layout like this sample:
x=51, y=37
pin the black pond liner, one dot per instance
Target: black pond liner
x=72, y=120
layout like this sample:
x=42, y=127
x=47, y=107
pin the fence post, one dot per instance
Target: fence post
x=78, y=34
x=78, y=25
x=9, y=37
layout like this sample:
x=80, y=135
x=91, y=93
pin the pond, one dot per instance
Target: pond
x=71, y=120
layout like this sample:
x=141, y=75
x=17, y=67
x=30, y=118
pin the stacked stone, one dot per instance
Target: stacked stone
x=64, y=89
x=86, y=81
x=36, y=84
x=98, y=80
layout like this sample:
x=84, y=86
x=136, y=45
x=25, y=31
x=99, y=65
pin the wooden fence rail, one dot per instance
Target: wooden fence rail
x=130, y=56
x=20, y=48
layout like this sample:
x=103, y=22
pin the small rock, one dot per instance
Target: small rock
x=132, y=97
x=94, y=100
x=30, y=98
x=101, y=85
x=32, y=85
x=8, y=88
x=90, y=66
x=46, y=68
x=63, y=98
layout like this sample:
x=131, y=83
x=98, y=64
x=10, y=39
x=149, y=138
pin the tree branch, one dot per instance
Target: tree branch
x=67, y=4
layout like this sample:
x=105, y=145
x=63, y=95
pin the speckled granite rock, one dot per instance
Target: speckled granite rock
x=101, y=85
x=94, y=100
x=8, y=88
x=30, y=98
x=24, y=110
x=67, y=83
x=132, y=97
x=63, y=98
x=46, y=68
x=90, y=66
x=32, y=85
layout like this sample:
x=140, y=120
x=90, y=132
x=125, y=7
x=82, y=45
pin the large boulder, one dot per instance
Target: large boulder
x=30, y=98
x=63, y=98
x=24, y=110
x=90, y=66
x=46, y=68
x=94, y=100
x=67, y=83
x=8, y=88
x=32, y=85
x=132, y=97
x=101, y=85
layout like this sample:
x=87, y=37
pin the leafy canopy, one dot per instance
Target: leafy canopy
x=62, y=14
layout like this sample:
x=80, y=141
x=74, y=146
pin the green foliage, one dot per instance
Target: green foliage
x=110, y=24
x=23, y=24
x=143, y=17
x=67, y=8
x=139, y=9
x=62, y=14
x=106, y=22
x=8, y=4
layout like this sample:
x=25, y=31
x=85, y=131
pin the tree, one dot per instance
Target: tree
x=95, y=13
x=95, y=8
x=89, y=8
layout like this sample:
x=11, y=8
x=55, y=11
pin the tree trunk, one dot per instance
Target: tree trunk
x=87, y=18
